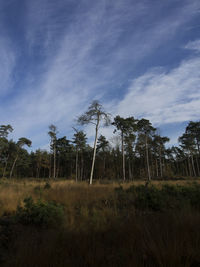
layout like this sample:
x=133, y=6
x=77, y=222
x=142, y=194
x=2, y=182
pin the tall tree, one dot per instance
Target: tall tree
x=102, y=148
x=53, y=135
x=94, y=115
x=79, y=140
x=126, y=126
x=21, y=142
x=159, y=143
x=146, y=128
x=188, y=145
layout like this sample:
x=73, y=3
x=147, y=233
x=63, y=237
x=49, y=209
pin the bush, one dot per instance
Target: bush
x=47, y=186
x=40, y=213
x=152, y=198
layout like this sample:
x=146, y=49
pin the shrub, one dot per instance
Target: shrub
x=40, y=213
x=47, y=186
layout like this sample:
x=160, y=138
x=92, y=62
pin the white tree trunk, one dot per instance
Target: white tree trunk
x=11, y=172
x=94, y=152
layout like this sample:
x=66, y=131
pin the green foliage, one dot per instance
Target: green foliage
x=154, y=199
x=41, y=213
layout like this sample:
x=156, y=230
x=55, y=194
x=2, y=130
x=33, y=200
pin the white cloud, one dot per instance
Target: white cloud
x=7, y=65
x=76, y=70
x=165, y=97
x=193, y=45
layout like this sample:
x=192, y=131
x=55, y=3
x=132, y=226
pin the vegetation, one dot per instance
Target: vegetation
x=74, y=224
x=142, y=210
x=138, y=152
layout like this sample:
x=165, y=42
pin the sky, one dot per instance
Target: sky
x=139, y=58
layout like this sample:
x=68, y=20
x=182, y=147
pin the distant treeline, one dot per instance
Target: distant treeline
x=136, y=150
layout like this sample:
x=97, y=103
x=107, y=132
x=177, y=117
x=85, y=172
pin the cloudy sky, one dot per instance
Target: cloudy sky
x=140, y=58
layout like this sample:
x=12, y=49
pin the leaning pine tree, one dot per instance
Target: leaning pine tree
x=94, y=115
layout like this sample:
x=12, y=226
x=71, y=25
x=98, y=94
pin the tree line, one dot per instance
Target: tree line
x=136, y=150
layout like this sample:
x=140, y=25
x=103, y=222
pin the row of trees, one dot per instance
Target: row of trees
x=136, y=150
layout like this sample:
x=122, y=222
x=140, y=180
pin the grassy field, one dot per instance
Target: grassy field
x=63, y=223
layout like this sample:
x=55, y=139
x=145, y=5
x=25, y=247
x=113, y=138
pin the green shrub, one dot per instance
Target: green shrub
x=40, y=213
x=153, y=198
x=47, y=186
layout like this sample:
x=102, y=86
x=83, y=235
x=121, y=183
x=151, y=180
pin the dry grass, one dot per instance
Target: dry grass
x=67, y=192
x=94, y=233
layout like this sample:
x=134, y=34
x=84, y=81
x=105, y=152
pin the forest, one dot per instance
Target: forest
x=136, y=151
x=143, y=208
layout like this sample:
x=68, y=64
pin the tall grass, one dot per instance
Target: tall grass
x=134, y=225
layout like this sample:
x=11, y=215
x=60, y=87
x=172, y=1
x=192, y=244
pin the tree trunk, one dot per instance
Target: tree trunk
x=193, y=168
x=197, y=163
x=54, y=161
x=123, y=158
x=11, y=172
x=156, y=161
x=189, y=167
x=160, y=160
x=76, y=164
x=147, y=158
x=4, y=170
x=129, y=168
x=81, y=175
x=94, y=152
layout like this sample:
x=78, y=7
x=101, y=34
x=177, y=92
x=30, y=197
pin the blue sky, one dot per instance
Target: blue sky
x=139, y=58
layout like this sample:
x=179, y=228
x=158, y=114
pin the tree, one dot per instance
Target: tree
x=102, y=148
x=52, y=133
x=79, y=140
x=188, y=145
x=126, y=127
x=193, y=129
x=158, y=143
x=94, y=115
x=146, y=128
x=21, y=142
x=4, y=130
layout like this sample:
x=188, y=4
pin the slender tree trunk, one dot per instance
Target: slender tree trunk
x=147, y=158
x=58, y=167
x=160, y=160
x=54, y=161
x=4, y=170
x=50, y=165
x=156, y=161
x=81, y=175
x=193, y=168
x=76, y=164
x=189, y=167
x=123, y=158
x=197, y=163
x=11, y=172
x=94, y=152
x=129, y=168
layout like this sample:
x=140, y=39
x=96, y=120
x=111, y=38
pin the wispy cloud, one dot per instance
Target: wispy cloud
x=165, y=97
x=81, y=51
x=193, y=45
x=7, y=56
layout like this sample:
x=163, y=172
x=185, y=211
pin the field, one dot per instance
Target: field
x=63, y=223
